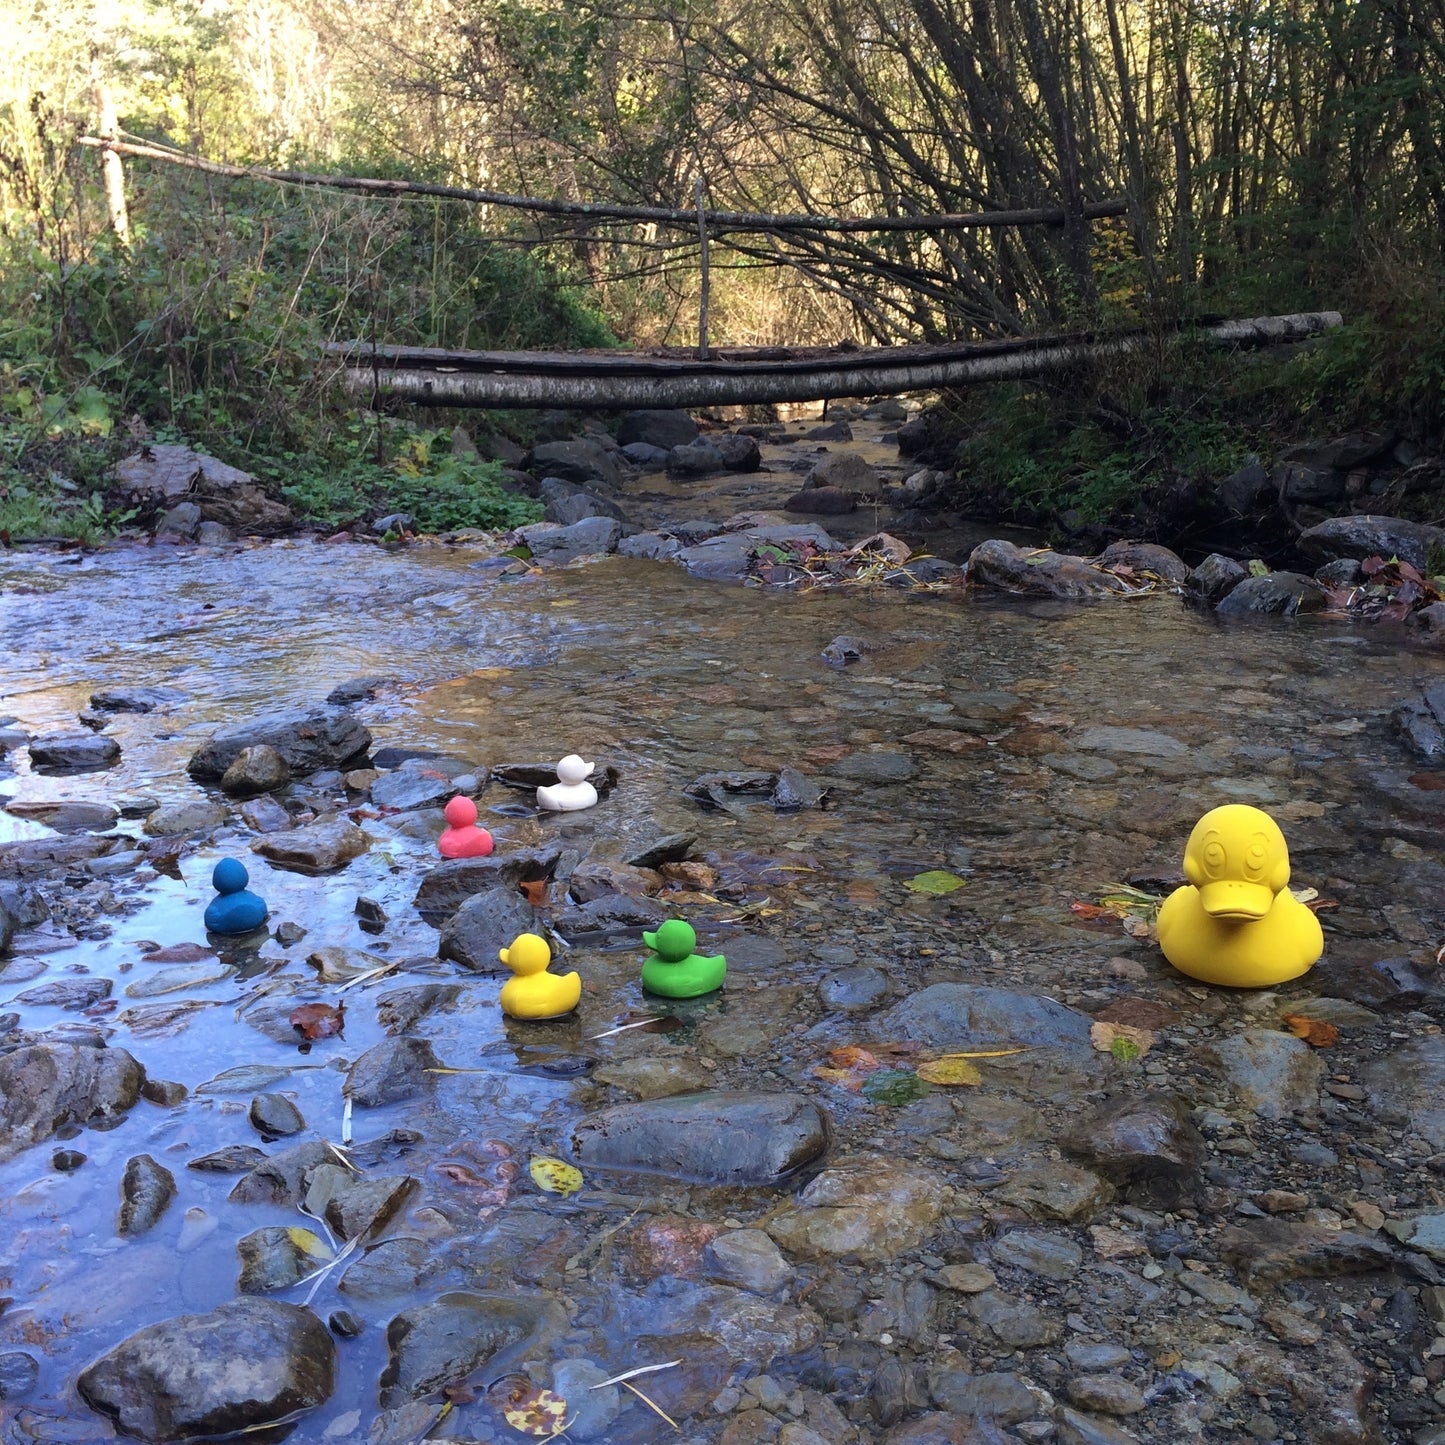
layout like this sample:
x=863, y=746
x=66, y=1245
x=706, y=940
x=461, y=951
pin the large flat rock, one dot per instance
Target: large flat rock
x=325, y=737
x=47, y=1087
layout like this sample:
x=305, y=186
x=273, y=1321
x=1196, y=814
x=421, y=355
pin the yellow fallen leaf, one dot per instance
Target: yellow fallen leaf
x=535, y=1412
x=309, y=1243
x=554, y=1176
x=949, y=1072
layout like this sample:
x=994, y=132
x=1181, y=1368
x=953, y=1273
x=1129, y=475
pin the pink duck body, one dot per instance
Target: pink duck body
x=463, y=838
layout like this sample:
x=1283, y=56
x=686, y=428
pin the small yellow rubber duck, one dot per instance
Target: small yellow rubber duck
x=535, y=993
x=1236, y=923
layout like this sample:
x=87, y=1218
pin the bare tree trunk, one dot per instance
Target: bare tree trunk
x=111, y=166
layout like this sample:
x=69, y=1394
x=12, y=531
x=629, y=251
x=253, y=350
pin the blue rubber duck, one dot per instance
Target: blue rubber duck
x=234, y=910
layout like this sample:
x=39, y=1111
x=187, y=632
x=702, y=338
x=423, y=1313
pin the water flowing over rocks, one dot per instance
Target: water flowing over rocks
x=711, y=1138
x=321, y=848
x=245, y=1363
x=49, y=1087
x=328, y=737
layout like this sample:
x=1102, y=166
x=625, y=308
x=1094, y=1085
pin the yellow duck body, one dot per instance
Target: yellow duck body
x=534, y=993
x=1235, y=922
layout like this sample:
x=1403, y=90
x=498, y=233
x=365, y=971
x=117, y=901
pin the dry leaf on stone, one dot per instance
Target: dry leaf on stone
x=1125, y=1042
x=534, y=1411
x=318, y=1020
x=554, y=1176
x=1315, y=1032
x=534, y=891
x=949, y=1072
x=936, y=881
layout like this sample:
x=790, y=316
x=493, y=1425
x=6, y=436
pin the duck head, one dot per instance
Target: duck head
x=230, y=876
x=527, y=954
x=572, y=770
x=461, y=812
x=674, y=940
x=1237, y=858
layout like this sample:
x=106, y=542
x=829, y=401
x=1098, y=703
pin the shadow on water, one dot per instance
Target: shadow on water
x=1038, y=751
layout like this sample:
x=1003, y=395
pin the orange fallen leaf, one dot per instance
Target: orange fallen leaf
x=1315, y=1032
x=318, y=1020
x=534, y=891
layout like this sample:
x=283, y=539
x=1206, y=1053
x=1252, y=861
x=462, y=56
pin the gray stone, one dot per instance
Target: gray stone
x=1085, y=1356
x=482, y=926
x=669, y=848
x=1142, y=557
x=246, y=1363
x=214, y=534
x=448, y=885
x=576, y=505
x=1266, y=1251
x=875, y=767
x=1076, y=1428
x=321, y=848
x=281, y=1178
x=397, y=522
x=1054, y=1256
x=657, y=428
x=265, y=815
x=1304, y=480
x=1109, y=1394
x=182, y=520
x=147, y=1189
x=1003, y=1397
x=979, y=1016
x=748, y=1259
x=393, y=1267
x=1214, y=578
x=369, y=1205
x=1342, y=572
x=1393, y=985
x=1277, y=594
x=868, y=1209
x=585, y=462
x=593, y=536
x=1018, y=1325
x=399, y=1011
x=1272, y=1073
x=72, y=995
x=433, y=1344
x=48, y=1087
x=257, y=769
x=1422, y=722
x=19, y=1373
x=25, y=904
x=1243, y=490
x=853, y=989
x=278, y=1257
x=73, y=753
x=389, y=1071
x=1055, y=1190
x=1407, y=1088
x=645, y=457
x=415, y=784
x=650, y=545
x=822, y=502
x=357, y=689
x=739, y=453
x=890, y=409
x=1031, y=573
x=727, y=558
x=711, y=1138
x=66, y=817
x=172, y=820
x=1146, y=1140
x=846, y=472
x=1130, y=742
x=274, y=1116
x=698, y=458
x=326, y=737
x=230, y=1159
x=590, y=1410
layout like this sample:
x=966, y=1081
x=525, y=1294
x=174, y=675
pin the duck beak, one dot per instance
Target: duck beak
x=1234, y=898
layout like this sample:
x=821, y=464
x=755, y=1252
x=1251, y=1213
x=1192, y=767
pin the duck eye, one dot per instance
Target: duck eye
x=1256, y=857
x=1214, y=856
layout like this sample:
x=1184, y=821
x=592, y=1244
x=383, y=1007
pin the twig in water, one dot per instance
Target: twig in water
x=650, y=1405
x=633, y=1374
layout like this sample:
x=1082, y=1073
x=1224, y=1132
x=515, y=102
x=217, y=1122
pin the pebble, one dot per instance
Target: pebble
x=967, y=1278
x=1109, y=1394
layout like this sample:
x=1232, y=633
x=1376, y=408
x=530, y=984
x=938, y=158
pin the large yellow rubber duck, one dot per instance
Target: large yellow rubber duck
x=534, y=993
x=1236, y=923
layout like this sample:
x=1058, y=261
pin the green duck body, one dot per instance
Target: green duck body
x=686, y=978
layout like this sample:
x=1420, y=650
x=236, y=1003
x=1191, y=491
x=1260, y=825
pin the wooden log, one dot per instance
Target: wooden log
x=609, y=381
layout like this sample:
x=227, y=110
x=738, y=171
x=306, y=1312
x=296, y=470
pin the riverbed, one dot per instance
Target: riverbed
x=1038, y=753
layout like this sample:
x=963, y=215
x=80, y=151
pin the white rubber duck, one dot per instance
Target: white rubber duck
x=572, y=792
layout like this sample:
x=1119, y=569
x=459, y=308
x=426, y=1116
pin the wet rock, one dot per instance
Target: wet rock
x=433, y=1344
x=1277, y=594
x=752, y=1329
x=147, y=1189
x=280, y=1179
x=389, y=1071
x=653, y=546
x=877, y=766
x=939, y=1428
x=698, y=458
x=584, y=462
x=1407, y=1087
x=23, y=904
x=652, y=1077
x=1146, y=557
x=327, y=737
x=448, y=885
x=231, y=1159
x=1268, y=1250
x=727, y=558
x=245, y=1363
x=567, y=504
x=399, y=1011
x=594, y=880
x=821, y=502
x=19, y=1373
x=48, y=1087
x=592, y=536
x=393, y=1267
x=135, y=699
x=712, y=1138
x=417, y=783
x=1422, y=723
x=274, y=1116
x=73, y=753
x=739, y=453
x=846, y=472
x=1146, y=1141
x=1272, y=1073
x=868, y=1209
x=1344, y=572
x=182, y=520
x=257, y=769
x=1003, y=1397
x=265, y=815
x=66, y=817
x=1055, y=1190
x=657, y=428
x=66, y=1161
x=8, y=928
x=1076, y=1428
x=1054, y=1256
x=748, y=1259
x=71, y=995
x=321, y=848
x=670, y=848
x=666, y=1246
x=1003, y=567
x=484, y=924
x=1214, y=578
x=1389, y=984
x=855, y=989
x=1016, y=1324
x=196, y=815
x=1371, y=536
x=278, y=1257
x=369, y=1205
x=591, y=1410
x=979, y=1016
x=357, y=689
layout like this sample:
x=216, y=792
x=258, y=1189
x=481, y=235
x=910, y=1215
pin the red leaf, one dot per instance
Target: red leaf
x=534, y=891
x=1373, y=566
x=318, y=1020
x=1409, y=573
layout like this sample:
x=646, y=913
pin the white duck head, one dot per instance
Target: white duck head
x=572, y=770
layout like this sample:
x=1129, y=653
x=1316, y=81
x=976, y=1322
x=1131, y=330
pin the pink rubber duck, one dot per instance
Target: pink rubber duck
x=462, y=838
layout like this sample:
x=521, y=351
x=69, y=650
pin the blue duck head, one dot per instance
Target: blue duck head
x=230, y=876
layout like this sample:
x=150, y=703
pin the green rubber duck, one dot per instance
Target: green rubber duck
x=673, y=969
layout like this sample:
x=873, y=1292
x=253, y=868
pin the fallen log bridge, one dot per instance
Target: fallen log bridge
x=731, y=376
